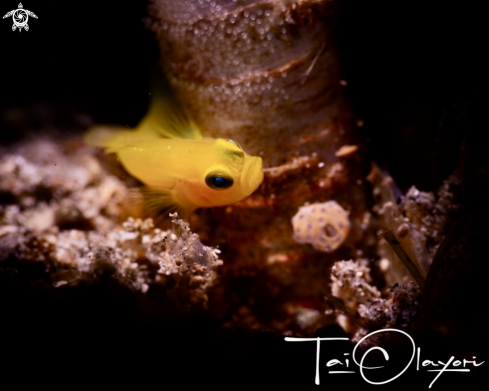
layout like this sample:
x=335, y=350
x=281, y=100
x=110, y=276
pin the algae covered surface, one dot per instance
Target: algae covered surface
x=91, y=289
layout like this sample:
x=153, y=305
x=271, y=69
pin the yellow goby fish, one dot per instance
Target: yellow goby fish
x=182, y=170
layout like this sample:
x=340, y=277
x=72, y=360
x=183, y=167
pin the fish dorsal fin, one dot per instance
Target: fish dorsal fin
x=156, y=203
x=166, y=118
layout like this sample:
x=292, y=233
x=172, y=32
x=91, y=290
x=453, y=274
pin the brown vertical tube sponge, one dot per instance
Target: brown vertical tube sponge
x=266, y=74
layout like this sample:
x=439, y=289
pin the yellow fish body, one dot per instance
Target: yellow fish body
x=182, y=170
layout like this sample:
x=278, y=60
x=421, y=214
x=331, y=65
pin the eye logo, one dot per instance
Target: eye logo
x=20, y=16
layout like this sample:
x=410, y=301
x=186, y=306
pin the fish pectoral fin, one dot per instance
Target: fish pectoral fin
x=156, y=203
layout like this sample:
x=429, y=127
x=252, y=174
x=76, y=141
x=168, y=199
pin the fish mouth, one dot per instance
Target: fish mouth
x=253, y=175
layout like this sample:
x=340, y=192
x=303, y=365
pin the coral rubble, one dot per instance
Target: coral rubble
x=64, y=210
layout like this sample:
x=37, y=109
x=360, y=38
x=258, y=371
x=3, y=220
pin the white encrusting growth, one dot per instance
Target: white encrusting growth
x=323, y=225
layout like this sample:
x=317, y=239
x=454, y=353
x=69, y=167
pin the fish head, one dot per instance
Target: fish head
x=226, y=174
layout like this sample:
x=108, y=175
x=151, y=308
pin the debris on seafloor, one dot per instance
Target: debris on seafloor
x=60, y=207
x=417, y=219
x=416, y=222
x=362, y=307
x=64, y=210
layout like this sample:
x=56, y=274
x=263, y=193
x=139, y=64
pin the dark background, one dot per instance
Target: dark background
x=92, y=56
x=415, y=77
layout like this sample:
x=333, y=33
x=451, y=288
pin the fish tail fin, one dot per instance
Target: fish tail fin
x=108, y=137
x=156, y=204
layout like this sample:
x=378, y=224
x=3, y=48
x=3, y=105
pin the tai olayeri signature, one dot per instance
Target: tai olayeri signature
x=452, y=365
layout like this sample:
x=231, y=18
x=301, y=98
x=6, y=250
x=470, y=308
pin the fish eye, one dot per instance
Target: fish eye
x=218, y=182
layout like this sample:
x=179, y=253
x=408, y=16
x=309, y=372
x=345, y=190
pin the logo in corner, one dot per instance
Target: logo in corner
x=20, y=16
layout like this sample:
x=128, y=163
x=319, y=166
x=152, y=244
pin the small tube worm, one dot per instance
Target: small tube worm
x=264, y=73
